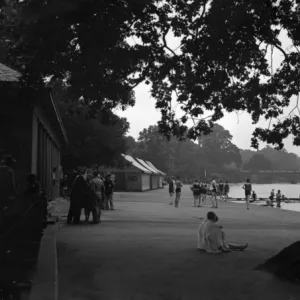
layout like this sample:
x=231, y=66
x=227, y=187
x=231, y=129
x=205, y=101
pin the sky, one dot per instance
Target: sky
x=144, y=113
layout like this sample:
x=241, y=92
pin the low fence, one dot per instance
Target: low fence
x=21, y=230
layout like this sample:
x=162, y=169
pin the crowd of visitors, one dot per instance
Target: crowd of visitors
x=201, y=191
x=91, y=193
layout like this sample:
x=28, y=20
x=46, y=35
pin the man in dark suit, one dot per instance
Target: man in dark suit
x=78, y=194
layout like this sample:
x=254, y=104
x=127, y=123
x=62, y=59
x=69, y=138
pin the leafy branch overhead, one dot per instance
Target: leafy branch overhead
x=222, y=64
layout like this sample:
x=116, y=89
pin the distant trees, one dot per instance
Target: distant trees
x=186, y=158
x=258, y=162
x=278, y=159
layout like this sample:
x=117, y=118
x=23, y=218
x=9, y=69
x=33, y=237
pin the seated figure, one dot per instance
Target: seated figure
x=211, y=237
x=33, y=186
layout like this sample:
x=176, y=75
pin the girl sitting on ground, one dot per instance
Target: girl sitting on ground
x=211, y=237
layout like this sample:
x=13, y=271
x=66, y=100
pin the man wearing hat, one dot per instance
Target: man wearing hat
x=78, y=195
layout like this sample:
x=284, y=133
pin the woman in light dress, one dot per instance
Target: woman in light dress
x=211, y=237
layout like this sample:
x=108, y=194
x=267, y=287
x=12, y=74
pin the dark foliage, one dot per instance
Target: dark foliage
x=188, y=159
x=221, y=64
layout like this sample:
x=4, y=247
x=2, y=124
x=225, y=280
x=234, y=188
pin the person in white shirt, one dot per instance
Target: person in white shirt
x=178, y=186
x=214, y=190
x=171, y=189
x=211, y=237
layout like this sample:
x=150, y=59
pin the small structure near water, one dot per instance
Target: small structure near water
x=136, y=175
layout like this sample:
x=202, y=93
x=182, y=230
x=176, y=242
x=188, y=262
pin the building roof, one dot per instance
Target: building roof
x=136, y=164
x=8, y=75
x=151, y=165
x=147, y=166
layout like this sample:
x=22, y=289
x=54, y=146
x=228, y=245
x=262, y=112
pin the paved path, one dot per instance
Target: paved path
x=146, y=249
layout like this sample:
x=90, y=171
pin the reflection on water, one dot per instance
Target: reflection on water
x=263, y=191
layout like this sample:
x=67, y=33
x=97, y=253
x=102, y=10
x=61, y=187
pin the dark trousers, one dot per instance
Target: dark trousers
x=92, y=207
x=74, y=214
x=109, y=202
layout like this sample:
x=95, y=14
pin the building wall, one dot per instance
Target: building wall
x=160, y=181
x=146, y=182
x=120, y=181
x=45, y=155
x=134, y=182
x=15, y=138
x=30, y=138
x=154, y=182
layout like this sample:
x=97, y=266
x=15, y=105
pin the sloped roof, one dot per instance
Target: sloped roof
x=147, y=166
x=136, y=164
x=151, y=165
x=7, y=74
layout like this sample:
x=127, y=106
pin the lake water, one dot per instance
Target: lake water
x=263, y=191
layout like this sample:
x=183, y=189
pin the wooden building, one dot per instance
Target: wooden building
x=154, y=178
x=135, y=176
x=161, y=175
x=32, y=131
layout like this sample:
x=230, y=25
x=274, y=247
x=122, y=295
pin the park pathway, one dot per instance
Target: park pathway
x=146, y=249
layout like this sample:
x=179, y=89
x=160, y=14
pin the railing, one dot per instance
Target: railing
x=19, y=246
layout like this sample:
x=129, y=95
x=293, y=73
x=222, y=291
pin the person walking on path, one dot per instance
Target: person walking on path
x=171, y=189
x=214, y=190
x=196, y=193
x=248, y=188
x=178, y=186
x=79, y=193
x=109, y=191
x=226, y=191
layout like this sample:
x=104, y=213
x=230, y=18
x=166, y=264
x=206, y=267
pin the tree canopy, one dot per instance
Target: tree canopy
x=222, y=63
x=278, y=160
x=187, y=158
x=93, y=140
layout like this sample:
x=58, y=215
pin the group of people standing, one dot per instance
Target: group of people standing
x=91, y=194
x=278, y=198
x=201, y=190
